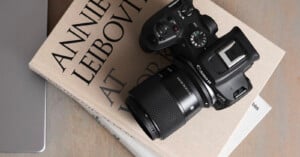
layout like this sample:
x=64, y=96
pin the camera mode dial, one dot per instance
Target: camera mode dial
x=198, y=39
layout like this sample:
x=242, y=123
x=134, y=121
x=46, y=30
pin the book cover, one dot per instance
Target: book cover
x=93, y=55
x=255, y=113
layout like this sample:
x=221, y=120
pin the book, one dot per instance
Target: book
x=255, y=113
x=93, y=55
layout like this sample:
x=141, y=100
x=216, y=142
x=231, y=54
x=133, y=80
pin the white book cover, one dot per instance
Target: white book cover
x=255, y=113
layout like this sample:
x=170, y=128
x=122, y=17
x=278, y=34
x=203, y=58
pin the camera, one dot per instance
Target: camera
x=206, y=71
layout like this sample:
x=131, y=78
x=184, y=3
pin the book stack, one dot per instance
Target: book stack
x=93, y=55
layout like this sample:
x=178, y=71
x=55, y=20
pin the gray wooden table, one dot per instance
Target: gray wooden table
x=72, y=132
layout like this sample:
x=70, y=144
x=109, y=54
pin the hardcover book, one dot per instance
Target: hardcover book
x=93, y=55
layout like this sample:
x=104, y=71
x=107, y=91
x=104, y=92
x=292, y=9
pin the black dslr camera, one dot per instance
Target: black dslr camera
x=206, y=71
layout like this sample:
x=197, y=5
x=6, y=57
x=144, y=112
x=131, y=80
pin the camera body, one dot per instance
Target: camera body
x=206, y=70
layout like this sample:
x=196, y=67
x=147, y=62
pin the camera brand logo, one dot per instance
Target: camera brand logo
x=203, y=74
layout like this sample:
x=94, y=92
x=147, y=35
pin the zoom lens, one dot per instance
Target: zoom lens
x=164, y=102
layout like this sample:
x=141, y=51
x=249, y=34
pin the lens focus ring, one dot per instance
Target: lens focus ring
x=156, y=101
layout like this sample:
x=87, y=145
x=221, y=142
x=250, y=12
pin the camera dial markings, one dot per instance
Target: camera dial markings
x=198, y=39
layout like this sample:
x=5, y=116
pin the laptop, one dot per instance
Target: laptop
x=23, y=28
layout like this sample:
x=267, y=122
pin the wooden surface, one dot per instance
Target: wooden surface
x=72, y=132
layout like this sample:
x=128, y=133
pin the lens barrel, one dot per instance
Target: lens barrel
x=164, y=102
